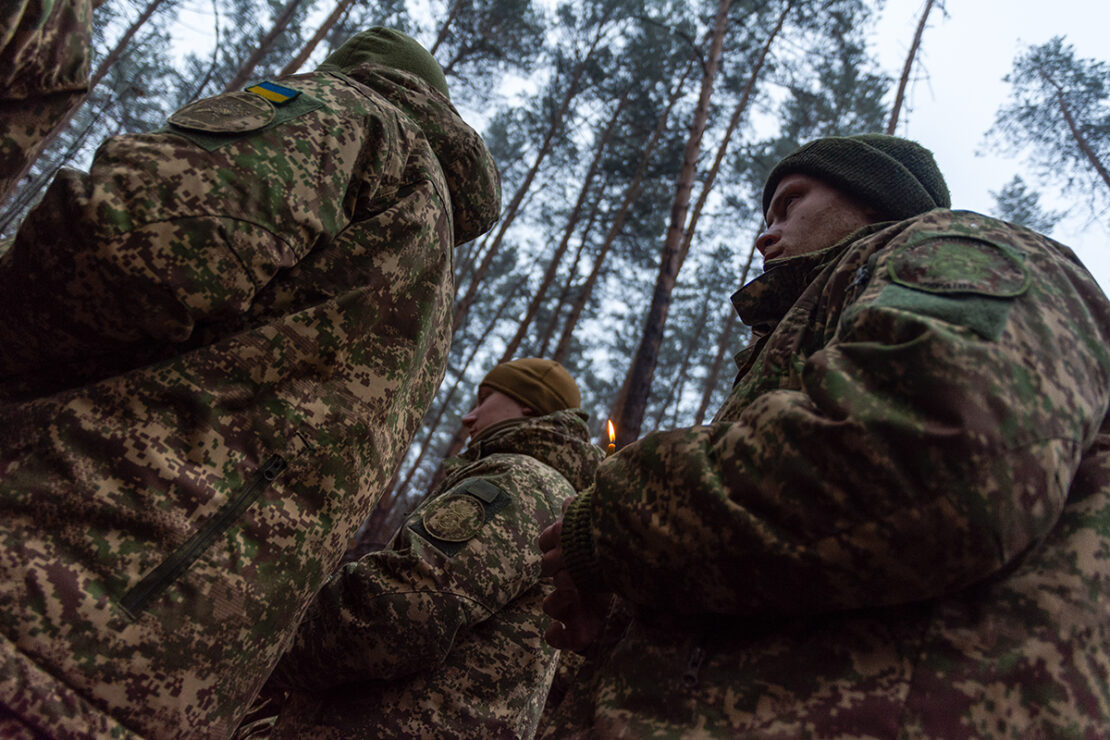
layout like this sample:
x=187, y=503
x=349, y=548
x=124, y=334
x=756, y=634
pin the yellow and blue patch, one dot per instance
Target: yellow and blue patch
x=274, y=92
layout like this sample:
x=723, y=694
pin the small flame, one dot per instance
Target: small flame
x=612, y=432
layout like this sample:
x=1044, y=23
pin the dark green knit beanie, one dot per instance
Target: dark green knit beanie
x=897, y=177
x=390, y=48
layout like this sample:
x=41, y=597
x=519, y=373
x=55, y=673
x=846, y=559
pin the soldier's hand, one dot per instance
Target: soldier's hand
x=551, y=561
x=580, y=618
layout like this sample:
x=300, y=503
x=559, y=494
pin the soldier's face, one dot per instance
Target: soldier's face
x=806, y=215
x=492, y=407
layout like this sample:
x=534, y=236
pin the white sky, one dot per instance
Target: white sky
x=959, y=88
x=956, y=91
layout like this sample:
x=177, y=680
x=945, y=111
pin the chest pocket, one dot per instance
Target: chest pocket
x=215, y=122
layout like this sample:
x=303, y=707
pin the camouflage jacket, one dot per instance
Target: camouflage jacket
x=443, y=630
x=217, y=345
x=897, y=524
x=44, y=72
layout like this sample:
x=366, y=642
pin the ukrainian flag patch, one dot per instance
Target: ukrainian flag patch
x=274, y=92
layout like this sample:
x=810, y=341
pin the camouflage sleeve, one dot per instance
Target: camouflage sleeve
x=458, y=559
x=44, y=71
x=930, y=439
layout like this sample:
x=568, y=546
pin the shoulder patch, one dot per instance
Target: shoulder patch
x=237, y=113
x=449, y=521
x=953, y=262
x=454, y=518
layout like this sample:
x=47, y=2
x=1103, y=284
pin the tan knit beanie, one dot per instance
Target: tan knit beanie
x=544, y=386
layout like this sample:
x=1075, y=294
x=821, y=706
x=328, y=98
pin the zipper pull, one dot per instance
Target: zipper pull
x=693, y=666
x=863, y=274
x=272, y=468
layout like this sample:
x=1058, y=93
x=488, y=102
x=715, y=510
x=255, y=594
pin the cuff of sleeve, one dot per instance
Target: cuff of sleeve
x=577, y=541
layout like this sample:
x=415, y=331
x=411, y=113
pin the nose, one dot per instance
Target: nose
x=766, y=240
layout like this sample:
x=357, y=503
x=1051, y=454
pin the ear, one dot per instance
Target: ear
x=527, y=411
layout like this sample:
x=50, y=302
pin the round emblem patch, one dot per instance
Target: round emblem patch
x=454, y=518
x=234, y=113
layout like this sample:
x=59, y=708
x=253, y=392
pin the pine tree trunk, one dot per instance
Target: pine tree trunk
x=727, y=332
x=568, y=284
x=896, y=110
x=631, y=193
x=298, y=61
x=734, y=121
x=468, y=254
x=1077, y=134
x=638, y=380
x=564, y=243
x=265, y=43
x=674, y=393
x=452, y=14
x=514, y=207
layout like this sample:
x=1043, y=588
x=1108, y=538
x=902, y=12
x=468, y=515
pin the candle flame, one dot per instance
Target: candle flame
x=612, y=432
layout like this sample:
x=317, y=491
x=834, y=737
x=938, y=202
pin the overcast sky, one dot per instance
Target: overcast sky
x=959, y=88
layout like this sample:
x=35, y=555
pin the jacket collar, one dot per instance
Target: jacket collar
x=763, y=302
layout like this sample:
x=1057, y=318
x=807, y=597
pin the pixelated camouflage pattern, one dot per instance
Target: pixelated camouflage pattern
x=214, y=359
x=414, y=641
x=895, y=527
x=44, y=71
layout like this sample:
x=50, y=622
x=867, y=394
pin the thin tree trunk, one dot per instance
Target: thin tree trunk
x=734, y=121
x=726, y=334
x=1080, y=140
x=102, y=69
x=896, y=110
x=280, y=24
x=633, y=191
x=677, y=389
x=452, y=14
x=572, y=222
x=510, y=213
x=727, y=331
x=568, y=284
x=298, y=61
x=468, y=254
x=647, y=353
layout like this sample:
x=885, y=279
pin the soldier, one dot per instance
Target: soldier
x=896, y=525
x=217, y=344
x=441, y=633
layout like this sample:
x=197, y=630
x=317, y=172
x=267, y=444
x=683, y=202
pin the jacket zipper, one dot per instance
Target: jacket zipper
x=158, y=580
